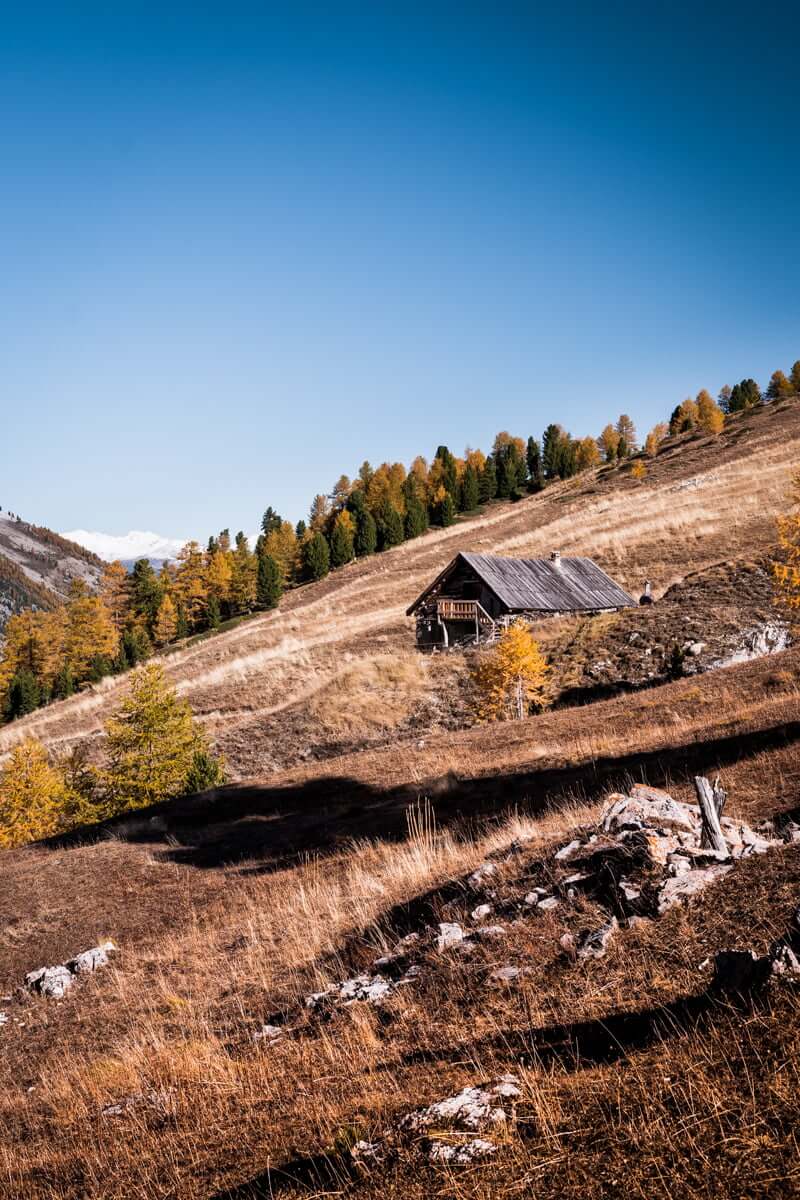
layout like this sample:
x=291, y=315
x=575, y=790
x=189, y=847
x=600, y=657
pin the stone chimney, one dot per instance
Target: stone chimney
x=555, y=558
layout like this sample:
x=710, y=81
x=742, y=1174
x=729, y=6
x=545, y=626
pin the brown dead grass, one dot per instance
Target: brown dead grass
x=704, y=501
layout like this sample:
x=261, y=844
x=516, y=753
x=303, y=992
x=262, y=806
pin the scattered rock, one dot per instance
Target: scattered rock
x=548, y=903
x=473, y=1109
x=481, y=912
x=403, y=947
x=593, y=943
x=450, y=934
x=478, y=877
x=460, y=1153
x=368, y=1152
x=268, y=1033
x=646, y=807
x=370, y=988
x=682, y=887
x=55, y=982
x=91, y=960
x=758, y=642
x=52, y=982
x=567, y=851
x=506, y=975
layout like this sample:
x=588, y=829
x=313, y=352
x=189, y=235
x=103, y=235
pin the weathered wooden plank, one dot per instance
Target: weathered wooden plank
x=712, y=830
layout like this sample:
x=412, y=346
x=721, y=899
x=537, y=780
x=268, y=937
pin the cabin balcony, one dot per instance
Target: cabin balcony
x=463, y=610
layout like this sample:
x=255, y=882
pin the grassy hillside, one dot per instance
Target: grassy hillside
x=291, y=684
x=196, y=1064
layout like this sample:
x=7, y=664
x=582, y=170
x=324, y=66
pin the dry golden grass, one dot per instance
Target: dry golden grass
x=705, y=501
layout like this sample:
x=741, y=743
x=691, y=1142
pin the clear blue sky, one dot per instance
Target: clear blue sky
x=245, y=246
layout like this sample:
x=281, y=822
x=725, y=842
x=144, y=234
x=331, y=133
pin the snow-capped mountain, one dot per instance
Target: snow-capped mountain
x=128, y=547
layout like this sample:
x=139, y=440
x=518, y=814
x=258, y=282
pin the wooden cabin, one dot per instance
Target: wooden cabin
x=478, y=594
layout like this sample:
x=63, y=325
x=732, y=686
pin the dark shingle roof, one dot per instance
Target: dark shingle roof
x=542, y=585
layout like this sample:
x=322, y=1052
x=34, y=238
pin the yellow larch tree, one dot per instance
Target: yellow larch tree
x=654, y=439
x=639, y=470
x=89, y=633
x=608, y=443
x=219, y=572
x=710, y=416
x=511, y=678
x=281, y=544
x=115, y=594
x=31, y=796
x=166, y=625
x=190, y=584
x=587, y=454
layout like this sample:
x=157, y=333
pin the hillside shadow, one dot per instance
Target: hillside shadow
x=258, y=828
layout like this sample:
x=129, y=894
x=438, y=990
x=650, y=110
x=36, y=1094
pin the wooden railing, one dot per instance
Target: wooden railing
x=462, y=610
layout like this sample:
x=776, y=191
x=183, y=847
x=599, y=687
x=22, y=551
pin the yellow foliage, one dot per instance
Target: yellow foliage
x=786, y=565
x=36, y=801
x=639, y=470
x=512, y=678
x=89, y=633
x=710, y=416
x=587, y=454
x=152, y=743
x=281, y=544
x=654, y=439
x=218, y=575
x=166, y=622
x=115, y=593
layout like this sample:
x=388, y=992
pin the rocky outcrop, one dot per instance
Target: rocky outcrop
x=55, y=982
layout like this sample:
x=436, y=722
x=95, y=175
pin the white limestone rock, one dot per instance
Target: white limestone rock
x=450, y=934
x=646, y=807
x=52, y=982
x=683, y=887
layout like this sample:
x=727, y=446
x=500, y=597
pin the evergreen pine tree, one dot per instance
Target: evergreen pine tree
x=443, y=510
x=366, y=533
x=469, y=490
x=449, y=470
x=415, y=521
x=343, y=539
x=316, y=557
x=794, y=377
x=533, y=456
x=23, y=695
x=145, y=593
x=269, y=581
x=300, y=530
x=744, y=395
x=487, y=483
x=270, y=522
x=182, y=626
x=389, y=525
x=551, y=451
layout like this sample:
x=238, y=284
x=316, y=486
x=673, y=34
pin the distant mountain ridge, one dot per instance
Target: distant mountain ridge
x=37, y=566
